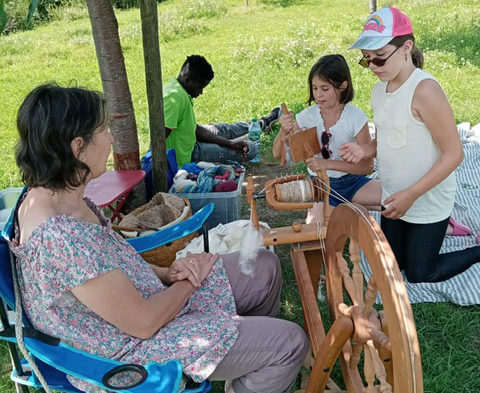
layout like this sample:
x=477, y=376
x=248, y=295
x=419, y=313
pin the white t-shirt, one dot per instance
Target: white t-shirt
x=345, y=130
x=406, y=151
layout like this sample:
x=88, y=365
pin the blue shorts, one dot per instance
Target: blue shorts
x=346, y=186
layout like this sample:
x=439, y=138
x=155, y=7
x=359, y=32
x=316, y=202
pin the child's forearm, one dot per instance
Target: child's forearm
x=370, y=149
x=364, y=167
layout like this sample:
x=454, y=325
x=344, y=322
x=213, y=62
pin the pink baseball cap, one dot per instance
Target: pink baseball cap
x=381, y=27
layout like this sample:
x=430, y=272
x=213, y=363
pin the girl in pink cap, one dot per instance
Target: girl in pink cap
x=417, y=147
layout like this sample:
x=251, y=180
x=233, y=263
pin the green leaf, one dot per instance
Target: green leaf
x=31, y=9
x=3, y=16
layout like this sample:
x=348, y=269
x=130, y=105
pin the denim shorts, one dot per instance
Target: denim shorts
x=346, y=186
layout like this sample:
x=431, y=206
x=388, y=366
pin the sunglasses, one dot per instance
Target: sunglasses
x=325, y=139
x=376, y=61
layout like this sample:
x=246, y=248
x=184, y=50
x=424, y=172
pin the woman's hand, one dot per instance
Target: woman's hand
x=352, y=152
x=398, y=204
x=316, y=164
x=287, y=122
x=194, y=268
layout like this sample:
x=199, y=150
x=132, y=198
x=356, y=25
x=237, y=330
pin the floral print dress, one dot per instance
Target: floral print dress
x=64, y=252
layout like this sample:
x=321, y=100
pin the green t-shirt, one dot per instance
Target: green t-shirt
x=180, y=117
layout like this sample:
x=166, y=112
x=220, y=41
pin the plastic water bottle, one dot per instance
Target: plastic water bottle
x=254, y=132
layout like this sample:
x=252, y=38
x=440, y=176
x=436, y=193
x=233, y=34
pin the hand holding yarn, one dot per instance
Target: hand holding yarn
x=317, y=164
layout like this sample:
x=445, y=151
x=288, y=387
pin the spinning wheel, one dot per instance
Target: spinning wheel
x=378, y=350
x=386, y=341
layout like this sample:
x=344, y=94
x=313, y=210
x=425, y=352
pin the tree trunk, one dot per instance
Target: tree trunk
x=153, y=76
x=115, y=84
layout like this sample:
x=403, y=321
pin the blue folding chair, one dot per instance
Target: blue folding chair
x=55, y=360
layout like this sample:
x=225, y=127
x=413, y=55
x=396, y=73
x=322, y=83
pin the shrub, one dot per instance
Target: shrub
x=175, y=24
x=204, y=9
x=26, y=14
x=301, y=46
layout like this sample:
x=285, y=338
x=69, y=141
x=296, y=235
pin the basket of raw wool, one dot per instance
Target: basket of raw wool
x=163, y=210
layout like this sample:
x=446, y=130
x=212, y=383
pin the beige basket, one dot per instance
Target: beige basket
x=164, y=255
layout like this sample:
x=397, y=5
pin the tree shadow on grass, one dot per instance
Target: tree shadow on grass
x=463, y=43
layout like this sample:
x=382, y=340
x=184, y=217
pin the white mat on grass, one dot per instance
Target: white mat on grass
x=463, y=289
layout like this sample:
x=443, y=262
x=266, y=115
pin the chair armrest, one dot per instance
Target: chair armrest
x=168, y=235
x=161, y=378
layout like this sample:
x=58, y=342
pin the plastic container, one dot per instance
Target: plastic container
x=8, y=199
x=227, y=204
x=254, y=133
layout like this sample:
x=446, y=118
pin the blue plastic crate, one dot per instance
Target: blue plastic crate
x=227, y=204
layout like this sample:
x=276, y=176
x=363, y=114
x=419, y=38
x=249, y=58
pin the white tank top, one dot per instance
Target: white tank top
x=406, y=151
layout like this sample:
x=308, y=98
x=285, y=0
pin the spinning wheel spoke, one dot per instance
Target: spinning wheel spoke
x=379, y=369
x=370, y=294
x=357, y=273
x=348, y=282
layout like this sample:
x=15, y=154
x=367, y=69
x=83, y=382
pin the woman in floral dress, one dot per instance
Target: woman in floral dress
x=83, y=283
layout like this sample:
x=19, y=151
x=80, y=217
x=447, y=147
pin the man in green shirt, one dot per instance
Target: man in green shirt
x=212, y=142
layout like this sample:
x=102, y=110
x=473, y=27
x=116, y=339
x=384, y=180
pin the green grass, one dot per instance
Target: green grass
x=261, y=56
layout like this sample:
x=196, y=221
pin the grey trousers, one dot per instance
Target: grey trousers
x=212, y=152
x=269, y=352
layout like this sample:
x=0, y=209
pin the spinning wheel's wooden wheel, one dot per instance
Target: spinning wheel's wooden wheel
x=385, y=342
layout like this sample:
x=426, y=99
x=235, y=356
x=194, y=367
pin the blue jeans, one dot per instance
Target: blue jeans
x=347, y=186
x=212, y=152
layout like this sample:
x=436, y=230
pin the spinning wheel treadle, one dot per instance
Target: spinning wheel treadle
x=391, y=360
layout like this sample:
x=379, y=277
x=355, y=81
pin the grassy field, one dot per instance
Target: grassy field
x=261, y=55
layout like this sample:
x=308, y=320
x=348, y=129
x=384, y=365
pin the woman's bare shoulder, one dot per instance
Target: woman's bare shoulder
x=33, y=211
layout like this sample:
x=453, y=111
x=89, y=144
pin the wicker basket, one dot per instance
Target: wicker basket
x=164, y=255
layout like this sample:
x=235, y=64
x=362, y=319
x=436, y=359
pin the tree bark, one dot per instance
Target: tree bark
x=115, y=84
x=153, y=77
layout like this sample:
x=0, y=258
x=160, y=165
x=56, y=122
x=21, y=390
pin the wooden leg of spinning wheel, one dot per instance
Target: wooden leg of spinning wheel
x=253, y=202
x=314, y=265
x=327, y=354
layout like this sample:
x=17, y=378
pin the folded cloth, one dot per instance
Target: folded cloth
x=459, y=229
x=192, y=168
x=226, y=186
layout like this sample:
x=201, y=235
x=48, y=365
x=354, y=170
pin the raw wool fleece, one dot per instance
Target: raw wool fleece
x=162, y=209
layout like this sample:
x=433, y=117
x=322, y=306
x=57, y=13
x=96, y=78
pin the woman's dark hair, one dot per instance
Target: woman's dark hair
x=417, y=55
x=333, y=69
x=48, y=120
